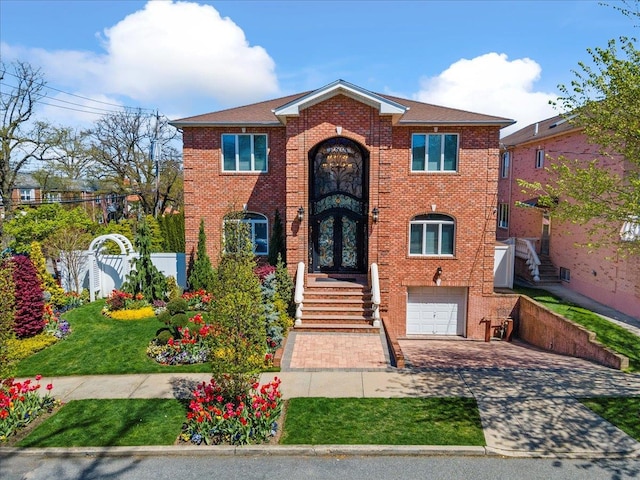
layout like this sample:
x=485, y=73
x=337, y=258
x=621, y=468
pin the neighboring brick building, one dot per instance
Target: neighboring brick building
x=359, y=178
x=602, y=275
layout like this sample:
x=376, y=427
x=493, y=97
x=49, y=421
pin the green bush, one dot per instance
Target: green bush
x=201, y=273
x=7, y=316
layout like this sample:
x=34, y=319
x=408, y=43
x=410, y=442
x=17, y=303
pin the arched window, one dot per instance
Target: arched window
x=432, y=234
x=251, y=225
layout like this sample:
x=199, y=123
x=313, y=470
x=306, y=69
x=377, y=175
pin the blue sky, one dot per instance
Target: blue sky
x=185, y=58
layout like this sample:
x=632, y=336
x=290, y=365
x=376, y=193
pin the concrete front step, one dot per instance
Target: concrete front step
x=337, y=328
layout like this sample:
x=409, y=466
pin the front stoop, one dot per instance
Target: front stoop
x=337, y=303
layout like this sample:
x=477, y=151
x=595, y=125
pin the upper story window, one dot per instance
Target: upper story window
x=27, y=195
x=539, y=158
x=244, y=153
x=434, y=152
x=504, y=165
x=503, y=215
x=432, y=234
x=252, y=226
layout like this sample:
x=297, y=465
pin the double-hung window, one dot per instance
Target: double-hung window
x=539, y=158
x=250, y=227
x=434, y=152
x=244, y=153
x=504, y=166
x=432, y=234
x=503, y=215
x=27, y=194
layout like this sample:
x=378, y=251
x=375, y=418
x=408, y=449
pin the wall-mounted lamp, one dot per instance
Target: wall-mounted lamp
x=437, y=278
x=375, y=214
x=300, y=214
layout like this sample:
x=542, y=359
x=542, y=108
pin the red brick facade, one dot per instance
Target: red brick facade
x=468, y=195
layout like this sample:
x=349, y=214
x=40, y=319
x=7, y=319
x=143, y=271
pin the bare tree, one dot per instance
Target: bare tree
x=124, y=145
x=21, y=140
x=69, y=246
x=70, y=155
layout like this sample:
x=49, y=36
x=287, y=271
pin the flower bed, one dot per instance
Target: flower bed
x=190, y=348
x=134, y=314
x=20, y=404
x=251, y=418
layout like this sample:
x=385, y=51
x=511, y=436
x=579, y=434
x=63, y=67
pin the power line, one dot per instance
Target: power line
x=44, y=85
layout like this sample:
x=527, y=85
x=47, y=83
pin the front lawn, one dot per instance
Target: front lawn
x=608, y=333
x=382, y=421
x=104, y=423
x=101, y=345
x=317, y=421
x=623, y=412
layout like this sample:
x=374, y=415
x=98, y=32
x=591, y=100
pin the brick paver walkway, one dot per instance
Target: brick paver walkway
x=336, y=350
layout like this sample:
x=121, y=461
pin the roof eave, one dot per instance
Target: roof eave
x=466, y=123
x=179, y=124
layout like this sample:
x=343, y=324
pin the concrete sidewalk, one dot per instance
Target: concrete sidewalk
x=524, y=412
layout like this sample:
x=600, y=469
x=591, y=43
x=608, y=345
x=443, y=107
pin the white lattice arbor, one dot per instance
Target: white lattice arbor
x=115, y=266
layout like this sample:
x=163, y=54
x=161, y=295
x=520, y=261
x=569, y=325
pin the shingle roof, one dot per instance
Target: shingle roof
x=418, y=113
x=538, y=130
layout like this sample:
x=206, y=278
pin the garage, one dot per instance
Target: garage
x=436, y=311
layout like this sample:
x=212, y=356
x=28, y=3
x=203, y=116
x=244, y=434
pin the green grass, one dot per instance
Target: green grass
x=383, y=421
x=101, y=345
x=607, y=333
x=105, y=423
x=623, y=412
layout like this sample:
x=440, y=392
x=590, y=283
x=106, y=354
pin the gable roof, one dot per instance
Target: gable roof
x=550, y=127
x=404, y=112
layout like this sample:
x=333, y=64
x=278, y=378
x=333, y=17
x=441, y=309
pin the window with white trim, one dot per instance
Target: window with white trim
x=503, y=215
x=434, y=152
x=431, y=234
x=27, y=195
x=565, y=274
x=539, y=158
x=244, y=153
x=53, y=197
x=251, y=226
x=504, y=165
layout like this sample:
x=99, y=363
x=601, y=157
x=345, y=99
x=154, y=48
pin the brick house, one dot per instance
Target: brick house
x=603, y=275
x=359, y=178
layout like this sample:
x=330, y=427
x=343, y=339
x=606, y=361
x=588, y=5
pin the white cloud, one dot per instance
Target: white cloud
x=170, y=55
x=493, y=85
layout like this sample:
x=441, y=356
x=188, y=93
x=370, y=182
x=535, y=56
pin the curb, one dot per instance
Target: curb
x=247, y=450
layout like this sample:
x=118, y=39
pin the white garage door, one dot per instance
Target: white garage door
x=436, y=311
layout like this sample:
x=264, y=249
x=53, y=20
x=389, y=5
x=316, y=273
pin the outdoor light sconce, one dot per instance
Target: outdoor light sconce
x=300, y=214
x=375, y=214
x=437, y=278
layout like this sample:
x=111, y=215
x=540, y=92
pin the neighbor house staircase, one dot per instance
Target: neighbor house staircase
x=337, y=303
x=548, y=271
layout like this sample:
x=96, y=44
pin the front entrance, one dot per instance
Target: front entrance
x=338, y=197
x=546, y=233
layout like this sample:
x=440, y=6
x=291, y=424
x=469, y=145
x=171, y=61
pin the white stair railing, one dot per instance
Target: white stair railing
x=375, y=294
x=298, y=296
x=525, y=249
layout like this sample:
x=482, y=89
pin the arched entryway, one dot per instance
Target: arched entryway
x=338, y=206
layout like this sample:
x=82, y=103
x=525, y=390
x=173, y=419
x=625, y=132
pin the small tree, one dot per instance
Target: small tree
x=29, y=318
x=238, y=350
x=145, y=278
x=277, y=242
x=69, y=245
x=172, y=226
x=201, y=275
x=7, y=316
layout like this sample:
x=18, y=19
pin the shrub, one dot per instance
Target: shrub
x=145, y=278
x=20, y=404
x=117, y=300
x=173, y=289
x=216, y=417
x=47, y=282
x=7, y=316
x=201, y=274
x=188, y=346
x=29, y=299
x=277, y=242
